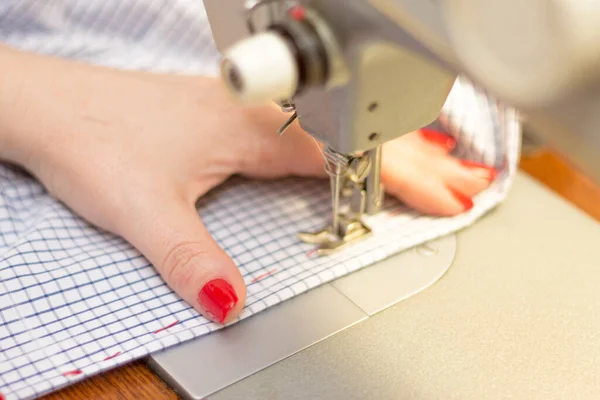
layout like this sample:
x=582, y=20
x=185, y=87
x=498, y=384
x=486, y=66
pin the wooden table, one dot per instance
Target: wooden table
x=136, y=380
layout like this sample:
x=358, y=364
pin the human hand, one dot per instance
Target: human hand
x=132, y=152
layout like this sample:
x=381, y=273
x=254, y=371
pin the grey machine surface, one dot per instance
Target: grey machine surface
x=517, y=315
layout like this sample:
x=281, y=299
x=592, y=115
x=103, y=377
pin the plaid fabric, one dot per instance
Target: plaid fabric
x=75, y=301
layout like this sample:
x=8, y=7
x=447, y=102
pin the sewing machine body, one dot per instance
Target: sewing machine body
x=362, y=103
x=357, y=74
x=542, y=57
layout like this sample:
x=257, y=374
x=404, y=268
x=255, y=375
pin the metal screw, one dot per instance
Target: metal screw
x=374, y=136
x=426, y=250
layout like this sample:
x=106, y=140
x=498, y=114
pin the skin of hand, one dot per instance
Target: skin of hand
x=132, y=152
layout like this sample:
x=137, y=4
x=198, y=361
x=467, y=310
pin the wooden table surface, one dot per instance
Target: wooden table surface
x=136, y=380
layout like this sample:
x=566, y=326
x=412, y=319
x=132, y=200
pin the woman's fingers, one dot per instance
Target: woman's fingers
x=418, y=169
x=434, y=142
x=423, y=191
x=172, y=236
x=467, y=177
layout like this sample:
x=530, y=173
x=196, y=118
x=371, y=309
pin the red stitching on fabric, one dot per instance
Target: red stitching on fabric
x=166, y=327
x=113, y=356
x=75, y=372
x=258, y=278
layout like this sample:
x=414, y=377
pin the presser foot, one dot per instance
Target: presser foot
x=350, y=231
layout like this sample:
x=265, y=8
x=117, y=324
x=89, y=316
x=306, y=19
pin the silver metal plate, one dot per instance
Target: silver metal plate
x=234, y=353
x=380, y=286
x=203, y=366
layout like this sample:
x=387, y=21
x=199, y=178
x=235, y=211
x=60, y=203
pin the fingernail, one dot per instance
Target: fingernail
x=466, y=202
x=482, y=170
x=439, y=138
x=217, y=298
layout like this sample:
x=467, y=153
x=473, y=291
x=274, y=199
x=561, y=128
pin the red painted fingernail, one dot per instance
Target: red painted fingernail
x=467, y=202
x=438, y=138
x=217, y=298
x=297, y=13
x=487, y=172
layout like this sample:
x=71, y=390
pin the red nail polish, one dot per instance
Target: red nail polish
x=297, y=13
x=439, y=138
x=467, y=202
x=217, y=298
x=491, y=172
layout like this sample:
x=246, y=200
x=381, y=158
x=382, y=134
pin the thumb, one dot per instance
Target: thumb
x=172, y=237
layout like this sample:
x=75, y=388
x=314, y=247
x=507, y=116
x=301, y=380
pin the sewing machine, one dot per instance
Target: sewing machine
x=333, y=72
x=353, y=75
x=356, y=74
